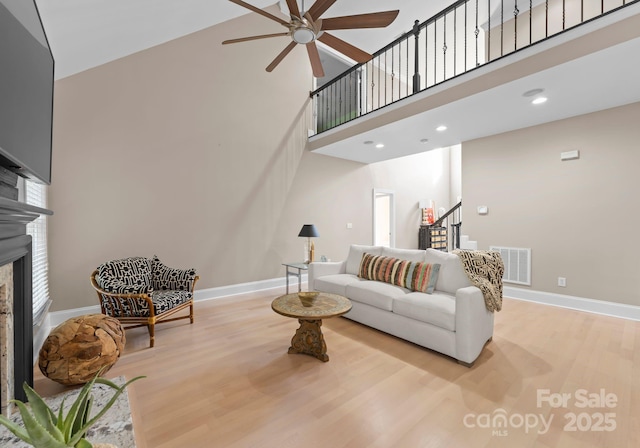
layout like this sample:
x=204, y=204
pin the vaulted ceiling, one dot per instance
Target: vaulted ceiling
x=87, y=33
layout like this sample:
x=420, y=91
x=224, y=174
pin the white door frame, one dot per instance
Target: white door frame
x=392, y=214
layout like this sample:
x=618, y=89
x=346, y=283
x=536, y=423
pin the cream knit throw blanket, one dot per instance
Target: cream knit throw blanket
x=484, y=269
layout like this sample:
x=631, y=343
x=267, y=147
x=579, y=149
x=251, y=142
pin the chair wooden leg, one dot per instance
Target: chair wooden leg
x=191, y=312
x=152, y=334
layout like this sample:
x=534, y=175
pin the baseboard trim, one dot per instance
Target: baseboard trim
x=620, y=310
x=244, y=288
x=55, y=318
x=613, y=309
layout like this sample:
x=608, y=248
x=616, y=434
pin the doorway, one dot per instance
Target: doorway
x=384, y=218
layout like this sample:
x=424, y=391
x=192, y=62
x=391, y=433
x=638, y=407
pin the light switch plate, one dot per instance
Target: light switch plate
x=483, y=209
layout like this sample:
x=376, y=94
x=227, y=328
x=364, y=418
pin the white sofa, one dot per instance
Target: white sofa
x=453, y=320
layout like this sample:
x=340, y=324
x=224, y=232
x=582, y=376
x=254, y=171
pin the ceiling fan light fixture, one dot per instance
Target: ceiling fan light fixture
x=303, y=35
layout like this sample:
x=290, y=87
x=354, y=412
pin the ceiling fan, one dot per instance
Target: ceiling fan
x=305, y=27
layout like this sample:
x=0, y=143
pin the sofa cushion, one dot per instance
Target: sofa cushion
x=171, y=279
x=335, y=283
x=451, y=276
x=166, y=300
x=437, y=309
x=377, y=294
x=355, y=256
x=404, y=254
x=126, y=276
x=415, y=276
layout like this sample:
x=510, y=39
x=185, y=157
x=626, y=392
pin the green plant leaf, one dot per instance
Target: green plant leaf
x=107, y=406
x=42, y=413
x=17, y=430
x=70, y=425
x=60, y=421
x=38, y=435
x=84, y=443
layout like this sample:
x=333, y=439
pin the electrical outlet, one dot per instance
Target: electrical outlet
x=349, y=225
x=562, y=282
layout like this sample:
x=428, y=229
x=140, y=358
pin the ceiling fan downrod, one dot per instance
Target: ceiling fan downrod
x=302, y=33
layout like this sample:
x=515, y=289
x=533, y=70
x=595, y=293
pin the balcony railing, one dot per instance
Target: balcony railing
x=460, y=38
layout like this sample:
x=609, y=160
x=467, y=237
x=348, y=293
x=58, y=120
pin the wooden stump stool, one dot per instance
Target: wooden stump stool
x=77, y=349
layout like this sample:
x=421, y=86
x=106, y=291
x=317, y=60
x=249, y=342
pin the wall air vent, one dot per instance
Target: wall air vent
x=517, y=264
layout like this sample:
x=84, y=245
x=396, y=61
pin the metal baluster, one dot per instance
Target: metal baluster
x=379, y=70
x=455, y=41
x=546, y=18
x=516, y=11
x=393, y=74
x=465, y=35
x=426, y=57
x=435, y=52
x=530, y=22
x=477, y=33
x=444, y=49
x=502, y=28
x=489, y=31
x=406, y=81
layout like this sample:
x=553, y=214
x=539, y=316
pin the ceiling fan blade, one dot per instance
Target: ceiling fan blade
x=314, y=57
x=245, y=39
x=281, y=56
x=373, y=20
x=293, y=8
x=260, y=11
x=345, y=48
x=319, y=7
x=316, y=25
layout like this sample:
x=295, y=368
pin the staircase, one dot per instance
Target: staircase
x=436, y=236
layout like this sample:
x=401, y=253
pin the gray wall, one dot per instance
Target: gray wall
x=579, y=217
x=191, y=151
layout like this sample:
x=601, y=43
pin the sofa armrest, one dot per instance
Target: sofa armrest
x=320, y=269
x=474, y=324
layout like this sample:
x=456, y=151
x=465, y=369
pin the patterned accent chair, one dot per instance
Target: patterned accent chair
x=141, y=292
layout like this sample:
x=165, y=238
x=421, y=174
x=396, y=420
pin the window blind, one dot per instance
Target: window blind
x=36, y=194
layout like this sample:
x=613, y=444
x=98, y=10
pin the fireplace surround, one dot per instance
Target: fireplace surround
x=16, y=320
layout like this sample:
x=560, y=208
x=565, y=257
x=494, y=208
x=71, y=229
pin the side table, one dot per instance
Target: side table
x=295, y=269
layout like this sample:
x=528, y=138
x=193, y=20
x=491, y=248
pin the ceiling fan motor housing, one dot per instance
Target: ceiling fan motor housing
x=302, y=33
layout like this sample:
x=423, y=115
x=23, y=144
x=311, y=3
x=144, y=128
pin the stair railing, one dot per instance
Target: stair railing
x=460, y=38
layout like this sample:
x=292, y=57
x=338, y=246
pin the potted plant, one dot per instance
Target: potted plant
x=43, y=428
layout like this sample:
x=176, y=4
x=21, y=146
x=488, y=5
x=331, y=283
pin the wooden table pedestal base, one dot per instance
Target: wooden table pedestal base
x=308, y=340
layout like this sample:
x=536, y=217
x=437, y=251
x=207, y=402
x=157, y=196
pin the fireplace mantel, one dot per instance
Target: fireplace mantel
x=14, y=217
x=15, y=247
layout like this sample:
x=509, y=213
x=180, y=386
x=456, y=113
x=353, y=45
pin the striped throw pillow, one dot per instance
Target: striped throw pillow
x=415, y=276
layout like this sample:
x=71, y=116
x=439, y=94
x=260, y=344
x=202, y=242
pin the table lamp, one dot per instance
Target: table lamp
x=309, y=231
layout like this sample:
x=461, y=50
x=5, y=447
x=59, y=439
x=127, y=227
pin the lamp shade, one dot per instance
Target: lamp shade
x=309, y=231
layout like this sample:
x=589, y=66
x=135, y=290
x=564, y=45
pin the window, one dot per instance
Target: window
x=36, y=194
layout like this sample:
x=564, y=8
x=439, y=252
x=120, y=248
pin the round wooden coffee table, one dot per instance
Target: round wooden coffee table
x=308, y=339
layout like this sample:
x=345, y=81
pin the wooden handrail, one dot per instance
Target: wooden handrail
x=438, y=222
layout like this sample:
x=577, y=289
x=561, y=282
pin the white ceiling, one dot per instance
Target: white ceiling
x=87, y=33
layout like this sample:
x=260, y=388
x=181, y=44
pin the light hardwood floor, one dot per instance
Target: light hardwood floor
x=227, y=381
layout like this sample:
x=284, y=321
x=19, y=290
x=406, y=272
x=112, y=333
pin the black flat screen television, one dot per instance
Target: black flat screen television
x=26, y=91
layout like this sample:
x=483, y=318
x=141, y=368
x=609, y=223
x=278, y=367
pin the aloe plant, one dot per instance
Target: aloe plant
x=42, y=428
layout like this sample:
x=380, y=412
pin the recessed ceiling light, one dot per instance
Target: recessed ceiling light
x=424, y=140
x=539, y=100
x=441, y=128
x=368, y=142
x=532, y=92
x=380, y=146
